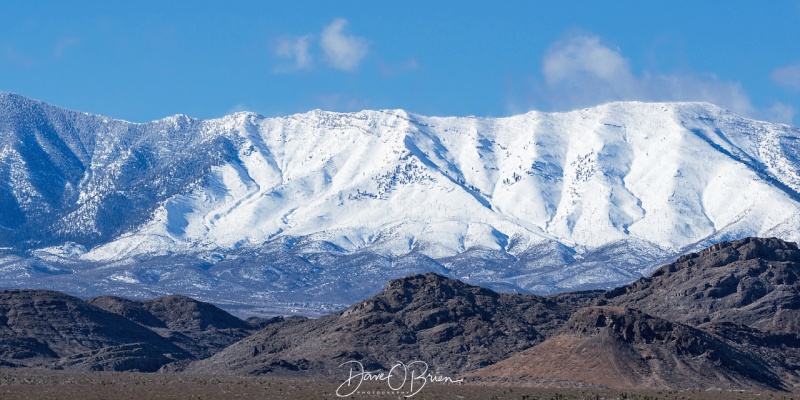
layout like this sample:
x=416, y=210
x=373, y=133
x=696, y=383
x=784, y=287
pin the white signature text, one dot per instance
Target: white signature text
x=402, y=378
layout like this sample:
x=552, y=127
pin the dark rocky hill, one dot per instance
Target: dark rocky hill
x=199, y=328
x=746, y=292
x=753, y=282
x=40, y=328
x=452, y=326
x=726, y=317
x=54, y=330
x=619, y=347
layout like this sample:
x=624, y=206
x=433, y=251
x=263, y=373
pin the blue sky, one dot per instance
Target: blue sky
x=146, y=60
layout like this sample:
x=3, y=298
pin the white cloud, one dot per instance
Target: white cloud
x=580, y=71
x=297, y=49
x=780, y=112
x=64, y=44
x=342, y=51
x=788, y=76
x=13, y=56
x=583, y=57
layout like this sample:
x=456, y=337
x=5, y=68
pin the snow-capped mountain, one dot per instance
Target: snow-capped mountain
x=322, y=208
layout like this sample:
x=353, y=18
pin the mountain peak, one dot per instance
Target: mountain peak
x=7, y=96
x=749, y=248
x=419, y=289
x=525, y=197
x=13, y=104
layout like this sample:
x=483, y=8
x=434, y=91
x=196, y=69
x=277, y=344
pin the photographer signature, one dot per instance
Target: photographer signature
x=414, y=374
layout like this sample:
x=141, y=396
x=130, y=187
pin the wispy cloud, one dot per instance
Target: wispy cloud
x=14, y=56
x=788, y=76
x=391, y=70
x=63, y=44
x=780, y=112
x=239, y=107
x=296, y=48
x=580, y=70
x=342, y=51
x=341, y=103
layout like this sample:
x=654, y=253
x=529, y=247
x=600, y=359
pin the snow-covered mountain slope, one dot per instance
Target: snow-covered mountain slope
x=327, y=206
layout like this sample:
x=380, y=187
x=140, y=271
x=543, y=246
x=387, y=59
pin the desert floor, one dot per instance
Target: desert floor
x=45, y=384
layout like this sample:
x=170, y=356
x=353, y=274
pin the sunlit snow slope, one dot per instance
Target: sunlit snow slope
x=322, y=208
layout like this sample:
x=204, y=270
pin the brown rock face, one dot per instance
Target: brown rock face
x=746, y=292
x=452, y=326
x=726, y=317
x=624, y=348
x=753, y=282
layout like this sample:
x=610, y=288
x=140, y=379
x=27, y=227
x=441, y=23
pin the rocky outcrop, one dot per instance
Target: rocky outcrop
x=452, y=326
x=723, y=318
x=619, y=347
x=199, y=328
x=753, y=282
x=54, y=330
